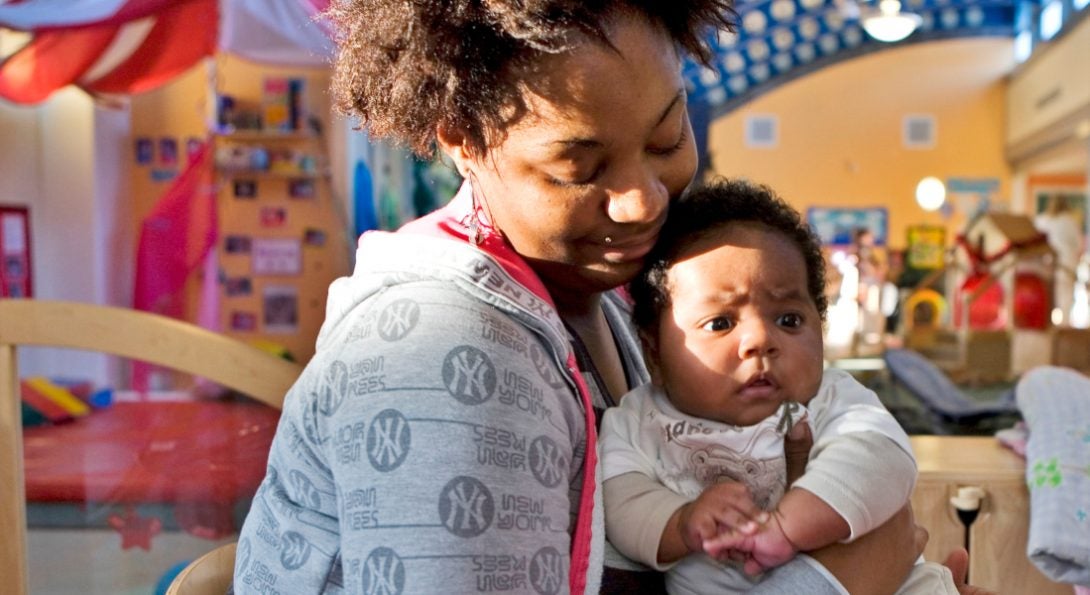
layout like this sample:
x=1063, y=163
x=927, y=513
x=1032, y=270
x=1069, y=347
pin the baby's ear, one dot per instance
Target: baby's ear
x=650, y=347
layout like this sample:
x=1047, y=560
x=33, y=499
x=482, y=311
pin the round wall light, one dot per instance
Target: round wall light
x=930, y=193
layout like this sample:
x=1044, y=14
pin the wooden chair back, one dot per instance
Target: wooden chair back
x=211, y=573
x=121, y=332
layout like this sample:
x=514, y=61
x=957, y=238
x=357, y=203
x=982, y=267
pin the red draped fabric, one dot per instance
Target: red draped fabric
x=181, y=36
x=131, y=46
x=174, y=239
x=67, y=52
x=52, y=60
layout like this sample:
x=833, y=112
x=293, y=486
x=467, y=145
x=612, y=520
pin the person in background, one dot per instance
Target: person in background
x=1064, y=232
x=729, y=307
x=443, y=437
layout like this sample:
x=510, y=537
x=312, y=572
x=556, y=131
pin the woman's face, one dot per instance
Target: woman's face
x=604, y=145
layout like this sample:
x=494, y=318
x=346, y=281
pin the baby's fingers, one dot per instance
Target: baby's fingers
x=734, y=507
x=752, y=567
x=727, y=543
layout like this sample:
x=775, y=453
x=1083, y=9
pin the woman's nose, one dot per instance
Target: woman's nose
x=644, y=199
x=757, y=339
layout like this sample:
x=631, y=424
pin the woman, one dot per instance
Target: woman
x=442, y=438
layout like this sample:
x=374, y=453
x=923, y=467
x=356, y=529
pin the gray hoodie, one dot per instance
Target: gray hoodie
x=437, y=442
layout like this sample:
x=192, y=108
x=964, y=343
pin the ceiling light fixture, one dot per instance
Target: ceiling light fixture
x=889, y=24
x=930, y=193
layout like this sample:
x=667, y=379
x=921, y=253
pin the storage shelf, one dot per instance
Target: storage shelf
x=264, y=135
x=265, y=174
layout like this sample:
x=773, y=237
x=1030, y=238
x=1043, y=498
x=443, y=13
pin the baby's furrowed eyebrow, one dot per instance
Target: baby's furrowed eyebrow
x=789, y=295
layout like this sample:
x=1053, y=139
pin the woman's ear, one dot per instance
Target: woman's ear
x=455, y=144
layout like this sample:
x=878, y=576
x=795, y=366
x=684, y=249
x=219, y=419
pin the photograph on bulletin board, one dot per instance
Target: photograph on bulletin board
x=926, y=247
x=276, y=256
x=301, y=188
x=145, y=151
x=836, y=226
x=243, y=321
x=15, y=264
x=168, y=151
x=237, y=286
x=314, y=237
x=273, y=216
x=280, y=304
x=245, y=189
x=237, y=244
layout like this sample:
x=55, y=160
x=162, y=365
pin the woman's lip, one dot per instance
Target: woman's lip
x=628, y=251
x=631, y=249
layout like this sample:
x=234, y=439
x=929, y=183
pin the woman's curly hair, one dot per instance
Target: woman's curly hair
x=406, y=67
x=703, y=211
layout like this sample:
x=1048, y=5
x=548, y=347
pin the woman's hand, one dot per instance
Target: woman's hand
x=879, y=561
x=796, y=449
x=958, y=563
x=876, y=563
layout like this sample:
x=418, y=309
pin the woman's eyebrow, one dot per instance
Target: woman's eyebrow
x=590, y=143
x=669, y=108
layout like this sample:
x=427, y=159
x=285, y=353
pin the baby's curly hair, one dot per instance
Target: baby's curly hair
x=706, y=209
x=406, y=67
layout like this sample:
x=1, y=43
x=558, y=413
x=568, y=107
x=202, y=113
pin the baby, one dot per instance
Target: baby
x=730, y=307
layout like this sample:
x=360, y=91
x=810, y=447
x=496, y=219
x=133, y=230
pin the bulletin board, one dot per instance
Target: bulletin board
x=281, y=232
x=15, y=263
x=836, y=225
x=926, y=247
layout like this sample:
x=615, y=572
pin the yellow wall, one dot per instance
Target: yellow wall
x=840, y=130
x=182, y=109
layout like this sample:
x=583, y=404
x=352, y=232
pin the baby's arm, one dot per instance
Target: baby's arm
x=725, y=507
x=801, y=522
x=629, y=446
x=860, y=473
x=851, y=486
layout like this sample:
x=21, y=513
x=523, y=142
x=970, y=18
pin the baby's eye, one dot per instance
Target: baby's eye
x=791, y=320
x=718, y=324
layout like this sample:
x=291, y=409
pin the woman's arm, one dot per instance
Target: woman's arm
x=452, y=458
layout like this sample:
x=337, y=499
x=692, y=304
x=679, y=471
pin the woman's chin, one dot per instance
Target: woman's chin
x=611, y=275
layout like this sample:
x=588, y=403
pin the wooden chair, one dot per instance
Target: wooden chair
x=117, y=331
x=211, y=573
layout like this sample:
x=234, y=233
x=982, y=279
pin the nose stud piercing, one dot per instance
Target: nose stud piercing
x=608, y=240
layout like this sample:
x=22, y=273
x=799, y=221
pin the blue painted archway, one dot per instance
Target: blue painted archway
x=780, y=40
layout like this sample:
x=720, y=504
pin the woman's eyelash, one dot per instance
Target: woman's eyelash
x=566, y=183
x=677, y=146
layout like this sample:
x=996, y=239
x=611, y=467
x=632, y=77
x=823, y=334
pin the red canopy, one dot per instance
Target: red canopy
x=130, y=46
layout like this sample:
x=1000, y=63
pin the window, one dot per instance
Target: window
x=1052, y=19
x=1023, y=45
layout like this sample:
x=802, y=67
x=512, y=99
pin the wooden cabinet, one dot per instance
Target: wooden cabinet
x=996, y=539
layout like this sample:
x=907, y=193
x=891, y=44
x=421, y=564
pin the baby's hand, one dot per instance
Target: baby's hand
x=766, y=548
x=724, y=508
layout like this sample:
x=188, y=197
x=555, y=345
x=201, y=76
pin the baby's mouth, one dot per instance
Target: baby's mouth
x=759, y=386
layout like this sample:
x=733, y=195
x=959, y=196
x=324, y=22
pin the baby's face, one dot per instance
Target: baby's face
x=742, y=334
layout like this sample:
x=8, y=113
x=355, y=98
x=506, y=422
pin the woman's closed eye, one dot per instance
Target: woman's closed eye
x=575, y=180
x=667, y=151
